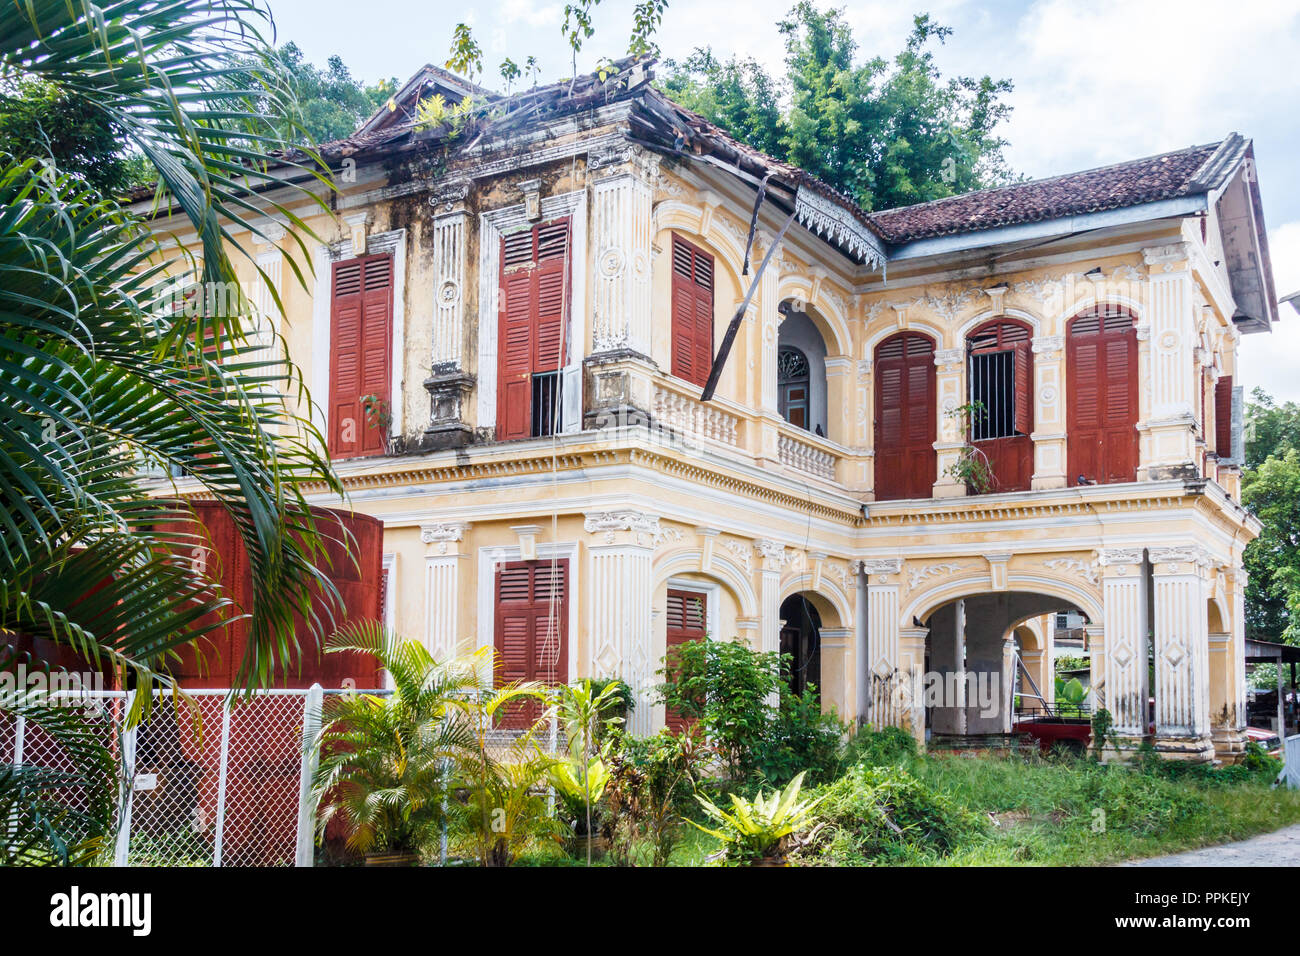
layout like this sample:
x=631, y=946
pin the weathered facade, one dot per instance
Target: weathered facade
x=534, y=307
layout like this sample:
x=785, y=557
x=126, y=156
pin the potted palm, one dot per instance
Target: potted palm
x=757, y=832
x=385, y=760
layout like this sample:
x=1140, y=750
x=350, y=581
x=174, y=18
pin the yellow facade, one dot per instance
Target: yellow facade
x=647, y=488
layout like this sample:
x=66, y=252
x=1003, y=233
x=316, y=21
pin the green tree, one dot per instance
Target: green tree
x=1269, y=485
x=64, y=128
x=885, y=132
x=1272, y=491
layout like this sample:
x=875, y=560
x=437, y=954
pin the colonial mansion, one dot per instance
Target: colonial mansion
x=934, y=428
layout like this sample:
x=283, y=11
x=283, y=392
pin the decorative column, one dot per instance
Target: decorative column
x=771, y=561
x=619, y=621
x=618, y=370
x=449, y=385
x=1049, y=413
x=621, y=207
x=1180, y=618
x=910, y=690
x=948, y=657
x=1171, y=325
x=442, y=560
x=1124, y=598
x=883, y=662
x=950, y=385
x=837, y=665
x=861, y=655
x=765, y=439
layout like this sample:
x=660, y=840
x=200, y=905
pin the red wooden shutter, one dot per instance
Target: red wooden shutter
x=531, y=639
x=692, y=318
x=906, y=461
x=361, y=323
x=687, y=615
x=1024, y=386
x=1101, y=366
x=1223, y=416
x=532, y=318
x=515, y=337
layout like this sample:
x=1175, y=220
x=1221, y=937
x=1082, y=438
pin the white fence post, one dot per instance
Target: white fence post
x=222, y=776
x=311, y=717
x=122, y=850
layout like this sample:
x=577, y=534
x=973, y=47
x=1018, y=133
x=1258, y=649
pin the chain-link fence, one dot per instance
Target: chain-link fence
x=207, y=780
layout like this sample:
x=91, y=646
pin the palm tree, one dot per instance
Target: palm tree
x=96, y=378
x=386, y=759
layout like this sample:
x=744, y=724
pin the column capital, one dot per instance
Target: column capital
x=1119, y=560
x=882, y=567
x=1181, y=559
x=641, y=527
x=1166, y=255
x=442, y=536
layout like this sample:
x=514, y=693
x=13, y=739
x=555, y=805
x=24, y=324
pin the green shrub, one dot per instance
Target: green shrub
x=724, y=687
x=891, y=746
x=652, y=784
x=801, y=739
x=884, y=814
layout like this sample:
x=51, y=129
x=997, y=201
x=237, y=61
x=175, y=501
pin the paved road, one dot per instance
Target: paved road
x=1281, y=848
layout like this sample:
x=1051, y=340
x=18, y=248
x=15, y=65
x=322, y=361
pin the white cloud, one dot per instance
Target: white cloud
x=1111, y=80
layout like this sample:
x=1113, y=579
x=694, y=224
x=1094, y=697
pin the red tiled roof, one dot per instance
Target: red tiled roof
x=1166, y=176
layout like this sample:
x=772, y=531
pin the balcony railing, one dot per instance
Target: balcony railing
x=805, y=456
x=690, y=417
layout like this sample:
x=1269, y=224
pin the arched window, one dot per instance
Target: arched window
x=792, y=383
x=906, y=462
x=1001, y=396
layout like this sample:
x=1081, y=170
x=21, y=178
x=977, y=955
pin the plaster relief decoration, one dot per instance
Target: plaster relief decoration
x=608, y=523
x=1090, y=571
x=916, y=575
x=667, y=534
x=742, y=551
x=949, y=305
x=1055, y=292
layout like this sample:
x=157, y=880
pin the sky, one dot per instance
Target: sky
x=1095, y=83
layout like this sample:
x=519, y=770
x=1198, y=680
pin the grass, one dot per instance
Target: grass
x=1075, y=812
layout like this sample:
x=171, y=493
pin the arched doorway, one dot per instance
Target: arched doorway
x=1001, y=395
x=801, y=371
x=1101, y=365
x=801, y=640
x=906, y=462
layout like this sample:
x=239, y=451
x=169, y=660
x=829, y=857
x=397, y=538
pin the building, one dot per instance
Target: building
x=936, y=427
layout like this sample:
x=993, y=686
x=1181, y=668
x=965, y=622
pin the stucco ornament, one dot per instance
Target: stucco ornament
x=609, y=523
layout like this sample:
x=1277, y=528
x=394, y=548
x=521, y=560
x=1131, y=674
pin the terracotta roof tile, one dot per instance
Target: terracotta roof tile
x=1166, y=176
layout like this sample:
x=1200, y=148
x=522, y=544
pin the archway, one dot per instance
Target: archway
x=801, y=372
x=971, y=668
x=801, y=625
